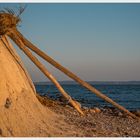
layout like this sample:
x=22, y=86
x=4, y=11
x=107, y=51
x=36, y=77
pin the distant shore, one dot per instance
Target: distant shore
x=92, y=83
x=97, y=122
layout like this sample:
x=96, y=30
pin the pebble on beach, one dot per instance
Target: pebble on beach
x=95, y=110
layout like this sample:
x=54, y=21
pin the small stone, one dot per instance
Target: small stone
x=92, y=111
x=97, y=110
x=120, y=114
x=86, y=108
x=8, y=103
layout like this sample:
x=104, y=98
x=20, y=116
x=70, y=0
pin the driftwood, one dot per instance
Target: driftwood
x=72, y=75
x=17, y=40
x=8, y=23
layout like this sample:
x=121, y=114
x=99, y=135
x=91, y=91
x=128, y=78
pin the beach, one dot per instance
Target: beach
x=103, y=98
x=97, y=122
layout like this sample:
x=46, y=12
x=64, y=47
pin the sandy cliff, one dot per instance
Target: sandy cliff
x=21, y=114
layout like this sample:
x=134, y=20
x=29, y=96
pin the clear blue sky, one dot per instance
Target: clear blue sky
x=99, y=42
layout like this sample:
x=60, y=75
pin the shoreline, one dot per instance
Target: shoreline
x=97, y=122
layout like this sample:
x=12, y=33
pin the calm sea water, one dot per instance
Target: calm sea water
x=126, y=95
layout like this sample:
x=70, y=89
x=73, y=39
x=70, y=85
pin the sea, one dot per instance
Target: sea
x=126, y=94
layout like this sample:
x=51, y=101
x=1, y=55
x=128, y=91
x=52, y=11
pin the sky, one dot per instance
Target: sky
x=97, y=42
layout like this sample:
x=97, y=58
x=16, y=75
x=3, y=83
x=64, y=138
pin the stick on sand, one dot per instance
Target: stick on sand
x=17, y=40
x=72, y=75
x=8, y=23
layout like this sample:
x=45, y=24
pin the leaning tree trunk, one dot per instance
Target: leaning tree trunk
x=21, y=114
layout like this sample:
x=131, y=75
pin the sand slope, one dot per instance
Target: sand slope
x=21, y=114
